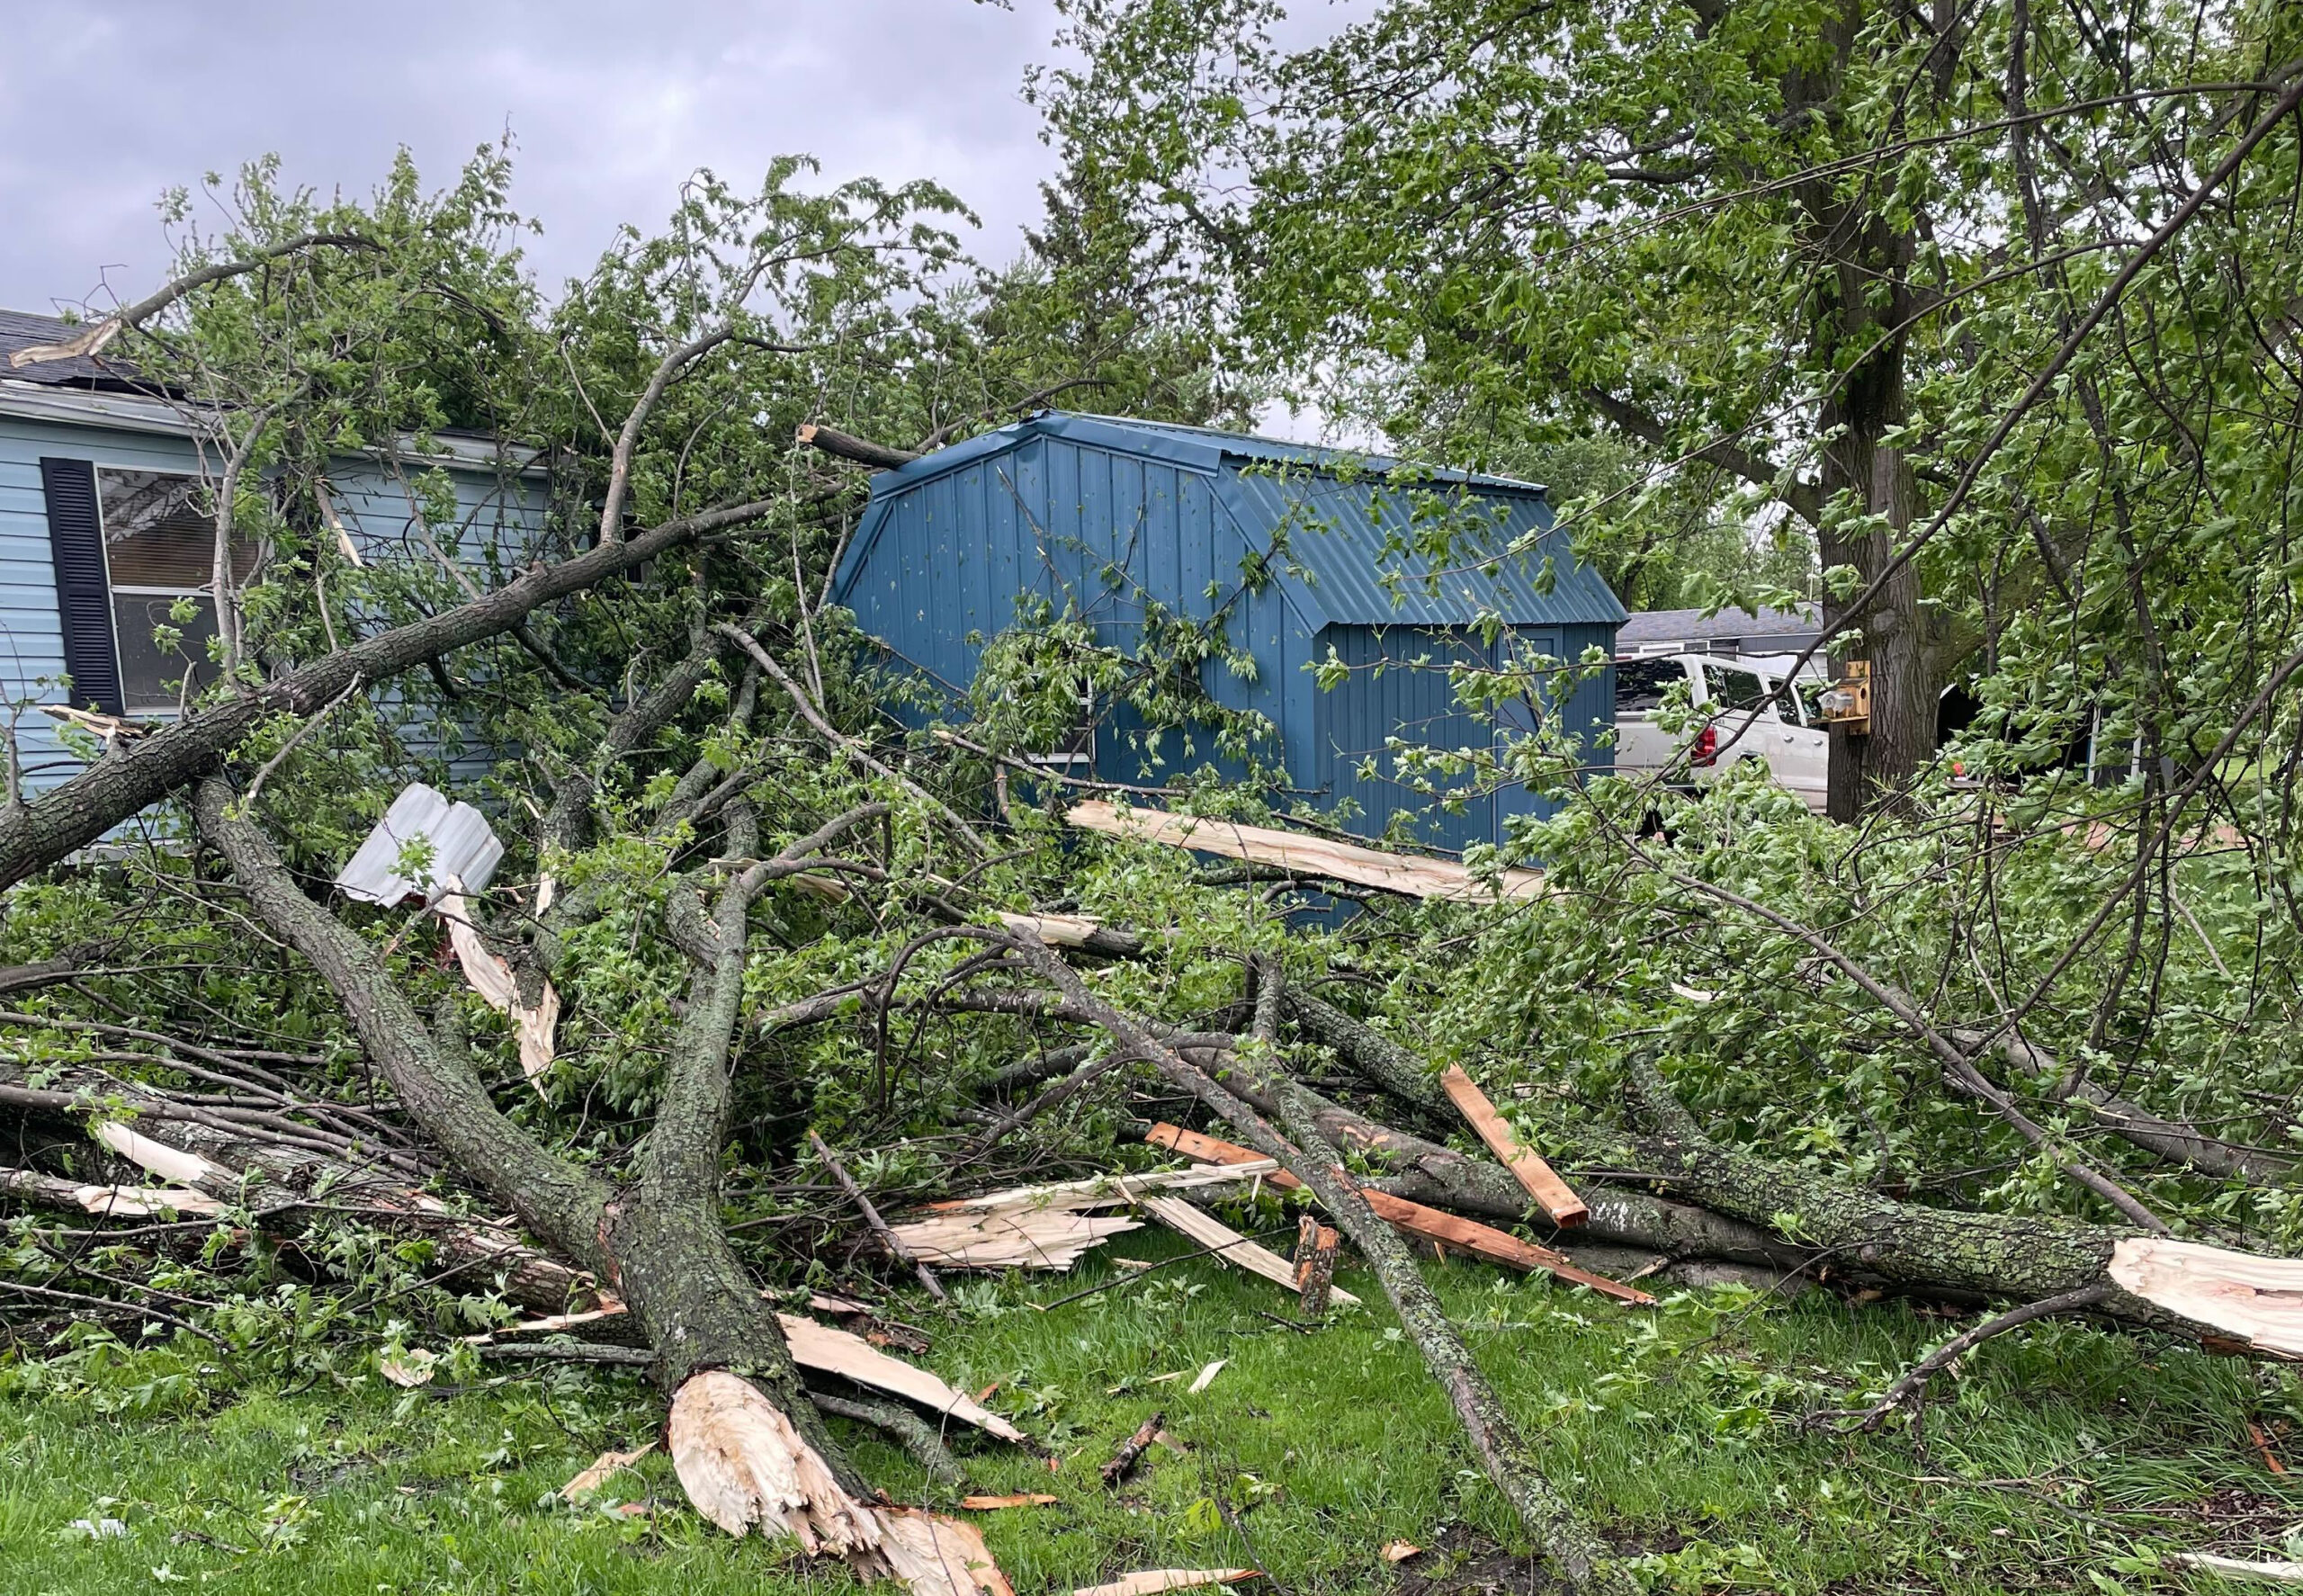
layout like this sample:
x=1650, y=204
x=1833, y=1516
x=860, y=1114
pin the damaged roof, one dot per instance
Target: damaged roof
x=102, y=373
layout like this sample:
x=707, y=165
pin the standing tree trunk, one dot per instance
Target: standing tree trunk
x=1862, y=294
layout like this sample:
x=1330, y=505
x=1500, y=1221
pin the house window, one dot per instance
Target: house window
x=159, y=545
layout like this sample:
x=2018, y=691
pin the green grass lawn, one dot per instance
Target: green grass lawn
x=2057, y=1459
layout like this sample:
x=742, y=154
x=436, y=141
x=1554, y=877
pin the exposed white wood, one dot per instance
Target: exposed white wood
x=2250, y=1298
x=1410, y=874
x=1226, y=1245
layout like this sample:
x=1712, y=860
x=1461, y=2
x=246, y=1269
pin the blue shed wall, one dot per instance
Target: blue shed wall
x=1095, y=528
x=374, y=509
x=1080, y=510
x=1399, y=688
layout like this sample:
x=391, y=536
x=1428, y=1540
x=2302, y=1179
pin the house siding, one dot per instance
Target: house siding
x=492, y=516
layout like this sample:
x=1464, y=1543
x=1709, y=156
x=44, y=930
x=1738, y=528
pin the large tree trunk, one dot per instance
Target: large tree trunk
x=660, y=1245
x=1861, y=290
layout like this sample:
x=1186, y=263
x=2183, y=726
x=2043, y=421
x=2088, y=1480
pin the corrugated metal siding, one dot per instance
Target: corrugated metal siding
x=31, y=642
x=1360, y=547
x=1399, y=688
x=1108, y=517
x=1412, y=699
x=1102, y=531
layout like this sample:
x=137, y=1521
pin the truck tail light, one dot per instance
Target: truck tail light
x=1706, y=746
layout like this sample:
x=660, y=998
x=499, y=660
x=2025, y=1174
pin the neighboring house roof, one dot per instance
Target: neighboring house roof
x=1352, y=523
x=105, y=390
x=1728, y=626
x=103, y=371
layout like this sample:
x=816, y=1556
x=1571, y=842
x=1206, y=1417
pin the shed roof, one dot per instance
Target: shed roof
x=1352, y=523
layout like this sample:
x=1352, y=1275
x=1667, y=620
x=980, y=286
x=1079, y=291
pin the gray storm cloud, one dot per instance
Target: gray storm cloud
x=107, y=103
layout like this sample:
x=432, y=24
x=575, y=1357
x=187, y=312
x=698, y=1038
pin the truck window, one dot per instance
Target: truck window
x=1641, y=684
x=1735, y=689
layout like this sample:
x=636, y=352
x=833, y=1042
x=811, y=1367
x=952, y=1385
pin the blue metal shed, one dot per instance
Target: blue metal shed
x=1110, y=514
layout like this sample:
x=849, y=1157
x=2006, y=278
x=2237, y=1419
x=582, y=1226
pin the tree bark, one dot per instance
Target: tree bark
x=143, y=771
x=659, y=1246
x=1858, y=253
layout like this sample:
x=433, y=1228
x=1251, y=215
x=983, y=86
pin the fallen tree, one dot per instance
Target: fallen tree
x=766, y=986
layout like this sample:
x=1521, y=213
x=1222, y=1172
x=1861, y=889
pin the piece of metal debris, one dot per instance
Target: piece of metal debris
x=463, y=848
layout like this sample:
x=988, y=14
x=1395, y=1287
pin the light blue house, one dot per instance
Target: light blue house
x=1307, y=556
x=102, y=534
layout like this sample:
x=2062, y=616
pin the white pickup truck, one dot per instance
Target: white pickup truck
x=1736, y=722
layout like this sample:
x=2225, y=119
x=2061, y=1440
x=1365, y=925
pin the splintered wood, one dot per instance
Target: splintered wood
x=1208, y=1149
x=1008, y=1238
x=743, y=1464
x=1043, y=1227
x=830, y=1350
x=843, y=1352
x=1314, y=1275
x=1483, y=1241
x=2255, y=1300
x=603, y=1467
x=1227, y=1245
x=1553, y=1195
x=1131, y=1451
x=1408, y=874
x=492, y=979
x=1151, y=1582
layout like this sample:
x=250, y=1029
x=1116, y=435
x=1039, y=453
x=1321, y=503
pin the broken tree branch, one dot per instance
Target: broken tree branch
x=878, y=1226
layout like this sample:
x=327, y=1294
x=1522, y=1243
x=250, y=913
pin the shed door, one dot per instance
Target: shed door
x=1517, y=717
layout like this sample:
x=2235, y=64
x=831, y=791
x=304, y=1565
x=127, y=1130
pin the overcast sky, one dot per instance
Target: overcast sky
x=105, y=103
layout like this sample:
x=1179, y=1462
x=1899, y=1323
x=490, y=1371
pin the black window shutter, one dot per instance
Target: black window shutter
x=76, y=537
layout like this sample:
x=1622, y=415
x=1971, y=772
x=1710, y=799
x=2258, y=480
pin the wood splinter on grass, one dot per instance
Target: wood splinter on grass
x=606, y=1464
x=1151, y=1582
x=1132, y=1449
x=1315, y=1245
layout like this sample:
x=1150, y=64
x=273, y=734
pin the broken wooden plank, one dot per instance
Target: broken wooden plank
x=832, y=1350
x=1208, y=1149
x=1408, y=874
x=842, y=1352
x=1551, y=1194
x=1026, y=1238
x=1225, y=1244
x=1110, y=1190
x=1206, y=1379
x=991, y=1504
x=1483, y=1241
